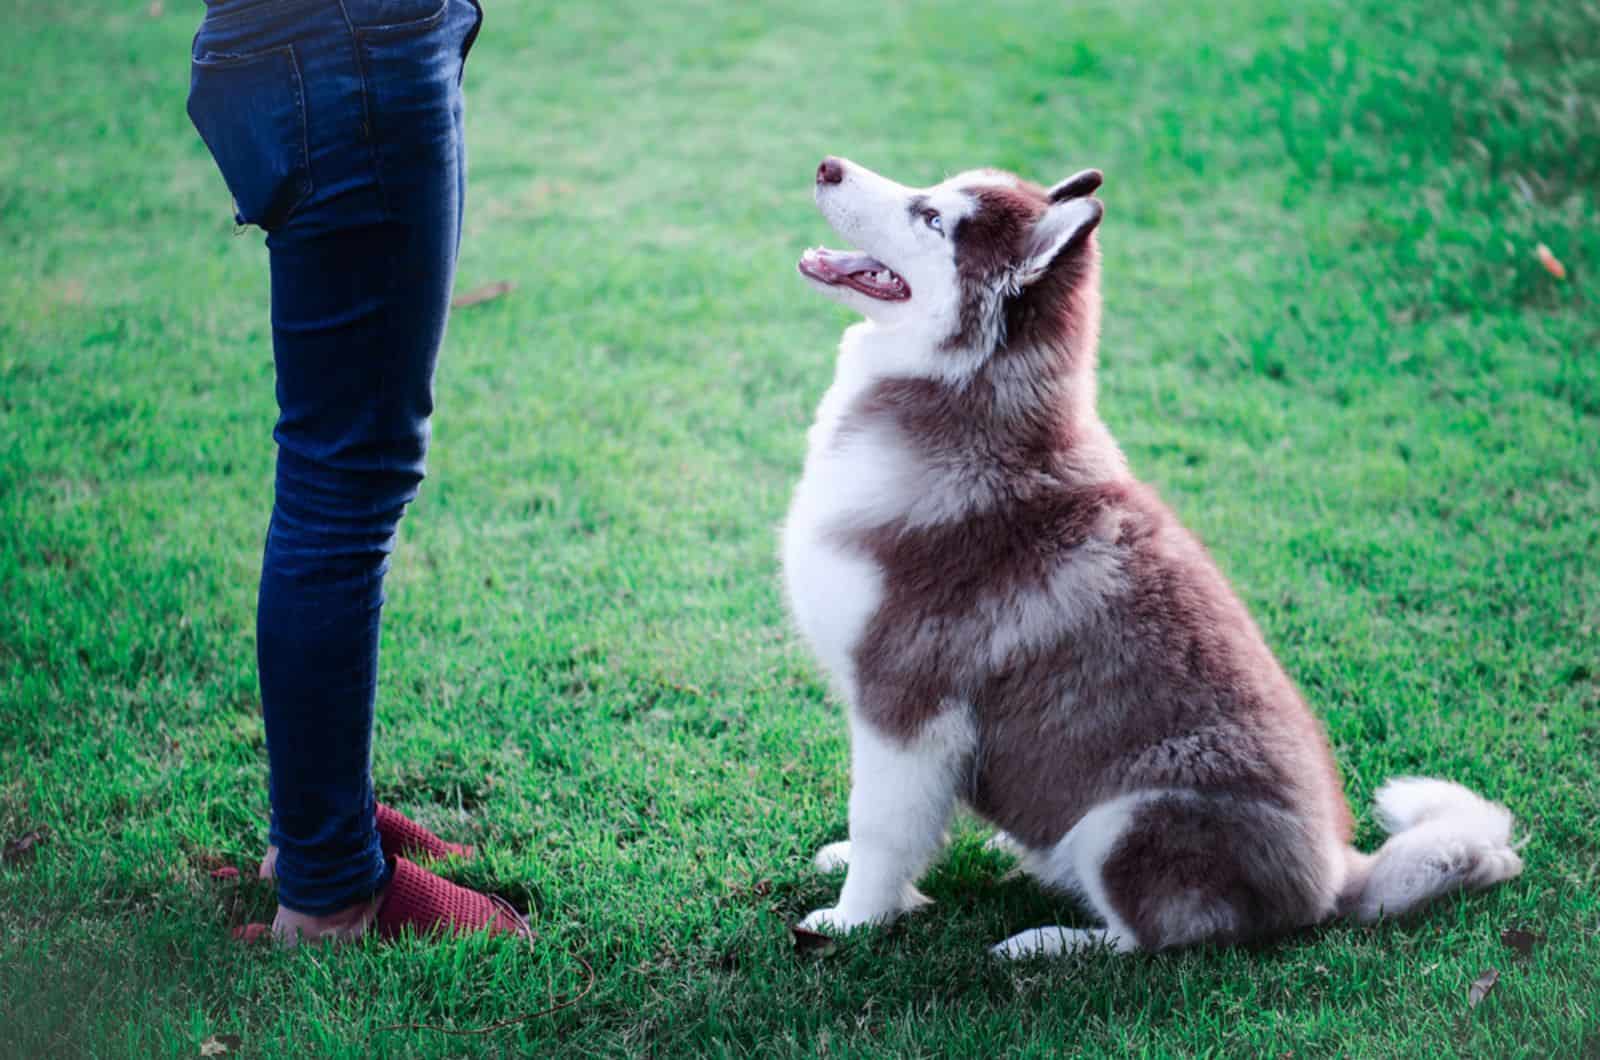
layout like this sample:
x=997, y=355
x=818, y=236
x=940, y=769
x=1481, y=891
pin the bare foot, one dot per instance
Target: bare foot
x=290, y=928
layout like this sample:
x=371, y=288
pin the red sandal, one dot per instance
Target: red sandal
x=419, y=902
x=403, y=837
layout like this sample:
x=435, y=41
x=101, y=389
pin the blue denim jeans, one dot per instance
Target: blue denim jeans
x=337, y=126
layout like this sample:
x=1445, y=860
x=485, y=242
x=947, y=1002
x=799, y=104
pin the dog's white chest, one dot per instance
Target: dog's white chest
x=833, y=586
x=833, y=593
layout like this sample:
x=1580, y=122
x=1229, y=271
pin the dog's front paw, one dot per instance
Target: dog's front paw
x=840, y=920
x=833, y=857
x=829, y=922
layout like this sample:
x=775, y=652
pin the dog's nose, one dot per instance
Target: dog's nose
x=831, y=171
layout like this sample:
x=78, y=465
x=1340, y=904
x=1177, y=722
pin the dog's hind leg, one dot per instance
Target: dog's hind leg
x=901, y=799
x=1057, y=941
x=1175, y=868
x=1074, y=865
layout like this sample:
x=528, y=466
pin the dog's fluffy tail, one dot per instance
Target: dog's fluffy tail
x=1442, y=838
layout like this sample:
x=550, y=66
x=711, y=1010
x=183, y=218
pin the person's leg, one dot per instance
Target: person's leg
x=337, y=126
x=355, y=337
x=358, y=316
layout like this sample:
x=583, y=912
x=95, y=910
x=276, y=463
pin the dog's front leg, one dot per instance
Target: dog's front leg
x=902, y=793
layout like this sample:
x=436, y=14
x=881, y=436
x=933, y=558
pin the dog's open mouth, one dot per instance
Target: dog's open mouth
x=853, y=269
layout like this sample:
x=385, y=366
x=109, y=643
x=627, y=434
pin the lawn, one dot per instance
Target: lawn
x=1329, y=341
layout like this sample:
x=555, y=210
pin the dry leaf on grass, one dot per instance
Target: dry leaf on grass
x=226, y=872
x=218, y=1044
x=252, y=932
x=157, y=8
x=21, y=850
x=812, y=943
x=1521, y=940
x=478, y=295
x=1481, y=986
x=1551, y=263
x=208, y=862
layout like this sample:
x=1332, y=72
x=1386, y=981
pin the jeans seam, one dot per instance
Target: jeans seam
x=366, y=110
x=305, y=136
x=368, y=132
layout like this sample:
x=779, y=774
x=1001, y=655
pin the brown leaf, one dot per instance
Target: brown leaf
x=157, y=8
x=1521, y=940
x=1481, y=986
x=478, y=295
x=252, y=932
x=1551, y=263
x=226, y=872
x=812, y=943
x=21, y=850
x=218, y=1044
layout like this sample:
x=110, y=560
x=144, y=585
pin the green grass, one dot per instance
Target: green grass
x=1327, y=340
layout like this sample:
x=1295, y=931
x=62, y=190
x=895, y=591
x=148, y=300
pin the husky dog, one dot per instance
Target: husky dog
x=1017, y=623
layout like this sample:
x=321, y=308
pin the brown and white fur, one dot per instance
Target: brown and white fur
x=1018, y=624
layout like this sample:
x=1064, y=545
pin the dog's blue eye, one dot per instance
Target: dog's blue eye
x=933, y=220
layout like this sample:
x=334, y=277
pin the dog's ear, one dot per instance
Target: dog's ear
x=1077, y=186
x=1060, y=229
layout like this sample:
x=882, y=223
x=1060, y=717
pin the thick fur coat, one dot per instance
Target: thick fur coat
x=1017, y=624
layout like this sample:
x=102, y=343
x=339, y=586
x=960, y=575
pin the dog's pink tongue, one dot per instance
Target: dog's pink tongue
x=843, y=262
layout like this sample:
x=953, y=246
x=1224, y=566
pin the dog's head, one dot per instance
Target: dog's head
x=982, y=261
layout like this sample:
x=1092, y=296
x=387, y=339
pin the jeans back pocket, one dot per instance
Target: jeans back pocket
x=250, y=111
